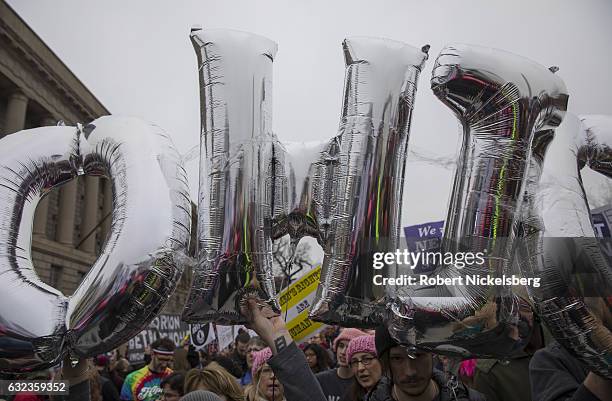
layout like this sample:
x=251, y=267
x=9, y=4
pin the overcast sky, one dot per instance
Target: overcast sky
x=136, y=57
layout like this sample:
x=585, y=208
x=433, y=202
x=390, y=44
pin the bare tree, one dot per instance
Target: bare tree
x=597, y=186
x=287, y=267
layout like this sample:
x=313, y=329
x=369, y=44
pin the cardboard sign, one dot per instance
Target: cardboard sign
x=295, y=302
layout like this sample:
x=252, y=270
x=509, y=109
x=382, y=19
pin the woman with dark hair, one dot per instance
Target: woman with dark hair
x=363, y=360
x=172, y=387
x=119, y=369
x=317, y=358
x=193, y=357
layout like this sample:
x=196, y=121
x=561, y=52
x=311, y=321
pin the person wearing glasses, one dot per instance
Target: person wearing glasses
x=335, y=382
x=284, y=361
x=367, y=370
x=255, y=344
x=265, y=386
x=409, y=375
x=145, y=384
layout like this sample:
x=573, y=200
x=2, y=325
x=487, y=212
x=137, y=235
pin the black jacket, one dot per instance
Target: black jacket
x=449, y=390
x=557, y=376
x=292, y=370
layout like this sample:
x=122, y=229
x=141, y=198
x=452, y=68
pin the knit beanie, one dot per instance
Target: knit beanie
x=259, y=358
x=467, y=367
x=101, y=360
x=361, y=344
x=200, y=395
x=346, y=334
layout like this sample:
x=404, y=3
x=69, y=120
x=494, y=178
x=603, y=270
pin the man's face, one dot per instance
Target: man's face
x=159, y=362
x=412, y=376
x=341, y=353
x=316, y=339
x=241, y=348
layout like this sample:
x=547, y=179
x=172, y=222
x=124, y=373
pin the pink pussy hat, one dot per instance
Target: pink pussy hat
x=347, y=334
x=260, y=358
x=361, y=344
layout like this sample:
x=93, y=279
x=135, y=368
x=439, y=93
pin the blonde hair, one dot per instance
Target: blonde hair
x=485, y=318
x=251, y=391
x=216, y=379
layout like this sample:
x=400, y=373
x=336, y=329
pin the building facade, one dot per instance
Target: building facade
x=72, y=222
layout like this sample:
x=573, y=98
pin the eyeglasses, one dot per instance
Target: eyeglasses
x=365, y=361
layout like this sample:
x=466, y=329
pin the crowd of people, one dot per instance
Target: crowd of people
x=336, y=364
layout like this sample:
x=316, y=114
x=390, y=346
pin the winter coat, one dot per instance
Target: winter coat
x=450, y=390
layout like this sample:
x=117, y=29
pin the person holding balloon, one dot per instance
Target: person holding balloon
x=408, y=373
x=283, y=360
x=144, y=384
x=335, y=382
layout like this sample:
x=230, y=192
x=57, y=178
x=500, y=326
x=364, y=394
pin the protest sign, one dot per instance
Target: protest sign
x=162, y=326
x=295, y=302
x=201, y=334
x=225, y=336
x=425, y=237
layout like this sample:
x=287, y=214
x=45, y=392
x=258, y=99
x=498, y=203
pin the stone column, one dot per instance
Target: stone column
x=48, y=121
x=65, y=218
x=107, y=206
x=90, y=218
x=41, y=214
x=15, y=113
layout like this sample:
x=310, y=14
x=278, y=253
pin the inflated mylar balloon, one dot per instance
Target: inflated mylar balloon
x=146, y=251
x=506, y=104
x=141, y=261
x=238, y=162
x=380, y=87
x=560, y=247
x=32, y=314
x=309, y=173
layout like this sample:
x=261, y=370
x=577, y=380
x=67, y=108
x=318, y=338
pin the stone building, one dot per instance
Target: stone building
x=72, y=222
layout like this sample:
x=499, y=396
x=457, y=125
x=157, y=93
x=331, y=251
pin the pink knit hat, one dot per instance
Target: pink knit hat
x=361, y=344
x=260, y=358
x=467, y=367
x=347, y=334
